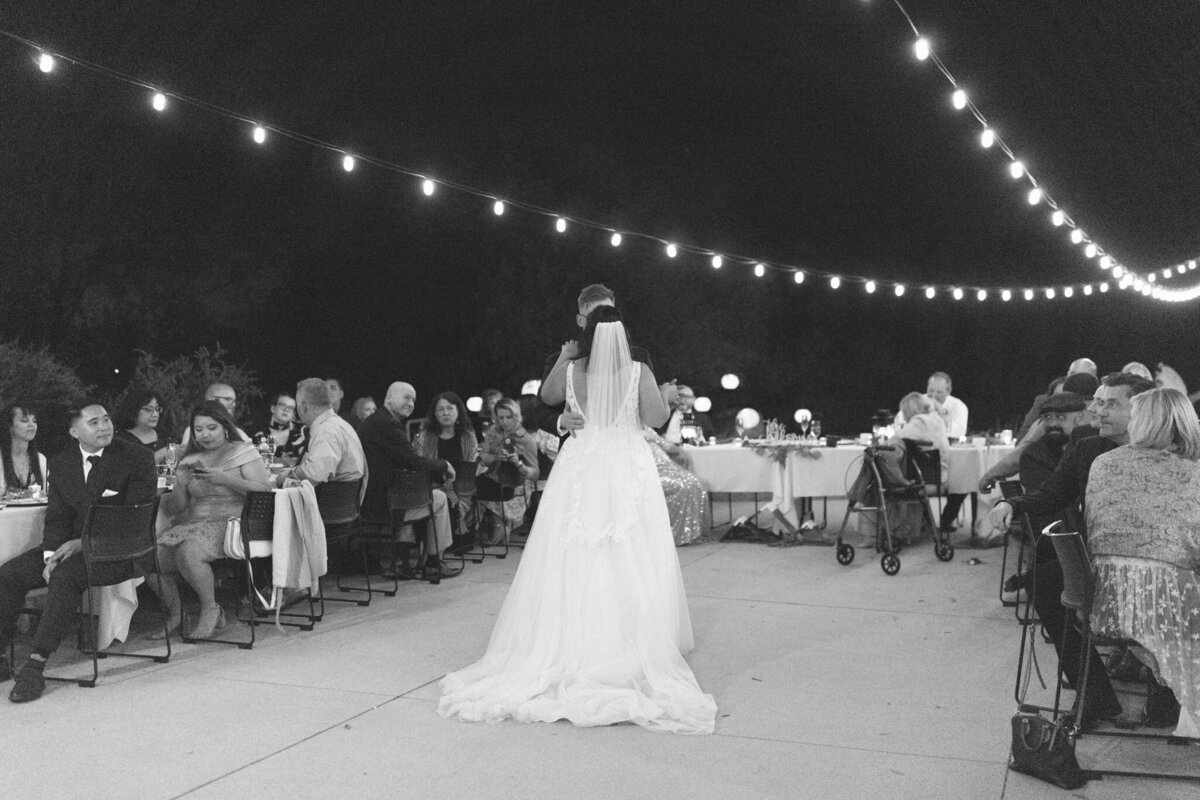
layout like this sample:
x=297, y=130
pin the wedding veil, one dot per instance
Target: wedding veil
x=609, y=371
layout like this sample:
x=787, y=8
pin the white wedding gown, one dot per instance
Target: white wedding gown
x=596, y=622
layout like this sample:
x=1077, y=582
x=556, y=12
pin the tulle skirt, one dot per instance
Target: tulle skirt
x=1157, y=605
x=596, y=622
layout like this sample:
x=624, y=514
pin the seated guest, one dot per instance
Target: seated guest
x=221, y=393
x=218, y=468
x=336, y=393
x=363, y=408
x=23, y=465
x=446, y=435
x=687, y=500
x=288, y=434
x=486, y=415
x=508, y=456
x=684, y=416
x=388, y=450
x=923, y=424
x=1143, y=521
x=141, y=420
x=1138, y=368
x=334, y=452
x=98, y=470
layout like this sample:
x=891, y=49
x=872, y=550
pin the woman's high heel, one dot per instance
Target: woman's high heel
x=203, y=632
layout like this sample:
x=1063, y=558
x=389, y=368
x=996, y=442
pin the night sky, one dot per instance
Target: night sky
x=802, y=134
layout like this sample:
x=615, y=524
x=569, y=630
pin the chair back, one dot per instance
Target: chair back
x=258, y=517
x=119, y=533
x=464, y=481
x=1076, y=566
x=338, y=501
x=411, y=489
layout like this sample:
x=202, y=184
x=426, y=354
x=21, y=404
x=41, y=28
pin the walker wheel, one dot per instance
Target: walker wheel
x=845, y=554
x=890, y=564
x=944, y=551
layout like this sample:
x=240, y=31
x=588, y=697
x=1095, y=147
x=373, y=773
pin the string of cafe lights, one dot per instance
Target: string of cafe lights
x=161, y=98
x=1038, y=194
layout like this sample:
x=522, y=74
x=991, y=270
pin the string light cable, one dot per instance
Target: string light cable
x=161, y=98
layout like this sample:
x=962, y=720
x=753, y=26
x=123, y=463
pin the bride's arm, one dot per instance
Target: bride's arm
x=651, y=406
x=554, y=389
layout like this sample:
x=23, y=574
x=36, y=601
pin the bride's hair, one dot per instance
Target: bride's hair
x=599, y=314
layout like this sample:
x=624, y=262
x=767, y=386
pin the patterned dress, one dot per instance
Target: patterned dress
x=1143, y=519
x=687, y=501
x=210, y=506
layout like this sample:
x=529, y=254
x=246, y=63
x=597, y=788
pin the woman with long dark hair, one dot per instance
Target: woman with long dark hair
x=447, y=434
x=23, y=465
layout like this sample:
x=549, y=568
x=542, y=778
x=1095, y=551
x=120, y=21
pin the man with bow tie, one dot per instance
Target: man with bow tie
x=288, y=434
x=96, y=470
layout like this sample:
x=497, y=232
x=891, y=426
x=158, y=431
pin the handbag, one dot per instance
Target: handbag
x=1045, y=749
x=235, y=548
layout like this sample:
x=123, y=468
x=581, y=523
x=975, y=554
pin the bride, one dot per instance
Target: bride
x=596, y=622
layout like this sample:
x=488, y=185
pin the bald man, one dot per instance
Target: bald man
x=1082, y=365
x=388, y=449
x=221, y=393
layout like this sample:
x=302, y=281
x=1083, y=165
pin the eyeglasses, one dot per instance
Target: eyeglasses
x=152, y=409
x=285, y=406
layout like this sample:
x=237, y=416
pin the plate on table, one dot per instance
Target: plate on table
x=27, y=501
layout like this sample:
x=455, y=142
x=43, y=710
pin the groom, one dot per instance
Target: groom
x=556, y=419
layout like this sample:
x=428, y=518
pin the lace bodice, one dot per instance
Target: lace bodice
x=627, y=417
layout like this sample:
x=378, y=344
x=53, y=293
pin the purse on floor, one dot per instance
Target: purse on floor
x=1045, y=749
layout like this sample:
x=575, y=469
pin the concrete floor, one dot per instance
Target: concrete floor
x=832, y=682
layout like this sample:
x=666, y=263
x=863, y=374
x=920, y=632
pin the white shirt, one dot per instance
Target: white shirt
x=334, y=451
x=87, y=465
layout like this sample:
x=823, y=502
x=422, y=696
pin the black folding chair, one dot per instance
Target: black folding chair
x=465, y=488
x=510, y=485
x=338, y=502
x=411, y=492
x=117, y=535
x=1022, y=531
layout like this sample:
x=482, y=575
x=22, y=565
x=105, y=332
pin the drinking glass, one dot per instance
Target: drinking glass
x=740, y=428
x=171, y=458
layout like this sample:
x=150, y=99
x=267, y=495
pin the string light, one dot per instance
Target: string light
x=717, y=262
x=1058, y=218
x=159, y=101
x=1087, y=289
x=1104, y=287
x=930, y=292
x=1105, y=261
x=1029, y=294
x=899, y=290
x=1090, y=251
x=260, y=134
x=959, y=99
x=1118, y=271
x=672, y=251
x=1049, y=293
x=1016, y=169
x=348, y=163
x=921, y=49
x=798, y=277
x=759, y=270
x=428, y=187
x=981, y=295
x=1035, y=196
x=870, y=287
x=615, y=240
x=560, y=225
x=987, y=138
x=835, y=282
x=1068, y=291
x=958, y=294
x=498, y=208
x=1006, y=295
x=1076, y=236
x=46, y=63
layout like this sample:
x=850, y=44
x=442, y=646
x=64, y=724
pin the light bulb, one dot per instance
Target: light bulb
x=959, y=99
x=1152, y=277
x=835, y=282
x=717, y=262
x=870, y=287
x=759, y=270
x=703, y=404
x=730, y=381
x=1118, y=271
x=260, y=134
x=1076, y=236
x=1138, y=283
x=1105, y=261
x=987, y=138
x=1016, y=169
x=930, y=292
x=981, y=295
x=1058, y=218
x=474, y=404
x=1049, y=294
x=428, y=187
x=1068, y=291
x=615, y=240
x=1181, y=269
x=921, y=48
x=1192, y=264
x=498, y=208
x=46, y=62
x=899, y=290
x=1035, y=196
x=1029, y=294
x=1090, y=250
x=159, y=101
x=1167, y=272
x=1087, y=289
x=1147, y=290
x=1006, y=295
x=672, y=251
x=958, y=294
x=348, y=163
x=560, y=225
x=1104, y=287
x=798, y=277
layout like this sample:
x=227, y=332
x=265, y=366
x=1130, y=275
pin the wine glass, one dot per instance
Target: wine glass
x=740, y=427
x=171, y=458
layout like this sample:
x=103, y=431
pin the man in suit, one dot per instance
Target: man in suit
x=97, y=470
x=556, y=419
x=388, y=450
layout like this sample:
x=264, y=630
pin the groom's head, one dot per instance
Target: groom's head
x=595, y=295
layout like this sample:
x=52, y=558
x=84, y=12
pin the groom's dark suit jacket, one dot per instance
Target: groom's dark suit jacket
x=546, y=417
x=125, y=469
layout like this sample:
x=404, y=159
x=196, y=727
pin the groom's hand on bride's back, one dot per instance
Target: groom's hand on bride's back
x=569, y=422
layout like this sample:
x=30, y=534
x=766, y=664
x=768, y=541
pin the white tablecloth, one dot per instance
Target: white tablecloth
x=21, y=530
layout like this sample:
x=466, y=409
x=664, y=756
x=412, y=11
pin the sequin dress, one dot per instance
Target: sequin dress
x=1143, y=520
x=687, y=500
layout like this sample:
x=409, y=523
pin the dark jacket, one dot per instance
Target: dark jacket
x=388, y=450
x=126, y=469
x=546, y=417
x=1063, y=492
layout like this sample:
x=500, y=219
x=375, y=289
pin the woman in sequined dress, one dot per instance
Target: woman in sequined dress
x=687, y=500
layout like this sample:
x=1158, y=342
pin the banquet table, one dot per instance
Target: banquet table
x=818, y=471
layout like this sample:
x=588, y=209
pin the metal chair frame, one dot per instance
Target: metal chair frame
x=1023, y=532
x=111, y=535
x=340, y=507
x=412, y=490
x=518, y=489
